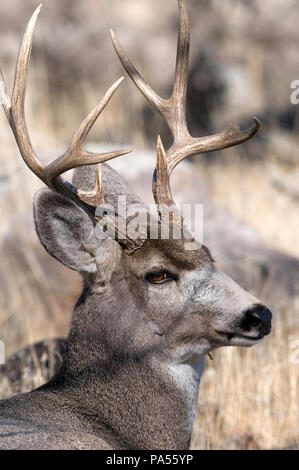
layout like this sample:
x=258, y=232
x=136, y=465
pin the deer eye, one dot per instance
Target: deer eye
x=160, y=277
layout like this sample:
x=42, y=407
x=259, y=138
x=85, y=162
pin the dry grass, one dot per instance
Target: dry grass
x=250, y=192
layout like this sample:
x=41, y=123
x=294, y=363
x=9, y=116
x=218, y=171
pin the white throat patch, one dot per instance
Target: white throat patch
x=186, y=377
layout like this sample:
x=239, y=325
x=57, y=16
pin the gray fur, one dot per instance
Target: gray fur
x=135, y=352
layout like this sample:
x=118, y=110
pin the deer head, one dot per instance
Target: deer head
x=149, y=296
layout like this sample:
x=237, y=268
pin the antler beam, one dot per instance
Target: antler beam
x=75, y=155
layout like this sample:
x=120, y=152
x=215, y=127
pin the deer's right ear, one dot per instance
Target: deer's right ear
x=65, y=231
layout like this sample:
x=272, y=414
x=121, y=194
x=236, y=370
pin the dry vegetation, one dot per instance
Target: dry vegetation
x=248, y=398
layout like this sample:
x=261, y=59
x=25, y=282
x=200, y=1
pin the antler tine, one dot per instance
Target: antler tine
x=232, y=135
x=75, y=155
x=96, y=196
x=14, y=108
x=154, y=99
x=174, y=112
x=182, y=62
x=172, y=109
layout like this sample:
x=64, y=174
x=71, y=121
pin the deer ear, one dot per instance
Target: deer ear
x=65, y=231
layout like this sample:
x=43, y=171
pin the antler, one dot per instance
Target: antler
x=75, y=155
x=174, y=112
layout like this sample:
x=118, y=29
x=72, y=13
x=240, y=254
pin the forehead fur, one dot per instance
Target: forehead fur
x=174, y=252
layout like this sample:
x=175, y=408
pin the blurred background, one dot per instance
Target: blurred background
x=244, y=56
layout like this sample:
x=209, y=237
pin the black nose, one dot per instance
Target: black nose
x=258, y=317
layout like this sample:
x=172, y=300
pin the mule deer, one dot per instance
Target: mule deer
x=150, y=309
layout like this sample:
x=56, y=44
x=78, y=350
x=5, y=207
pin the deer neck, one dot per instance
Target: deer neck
x=148, y=401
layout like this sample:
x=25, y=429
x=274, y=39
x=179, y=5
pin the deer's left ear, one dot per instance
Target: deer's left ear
x=69, y=235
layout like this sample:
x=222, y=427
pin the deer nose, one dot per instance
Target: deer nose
x=258, y=317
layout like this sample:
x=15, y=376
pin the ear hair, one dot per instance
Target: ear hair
x=69, y=235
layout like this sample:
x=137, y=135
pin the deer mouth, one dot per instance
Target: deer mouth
x=238, y=339
x=245, y=340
